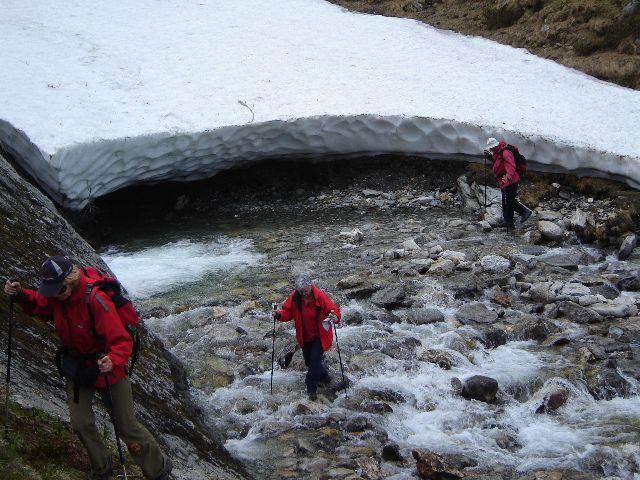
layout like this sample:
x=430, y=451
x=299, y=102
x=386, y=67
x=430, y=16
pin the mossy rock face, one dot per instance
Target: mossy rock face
x=507, y=12
x=31, y=228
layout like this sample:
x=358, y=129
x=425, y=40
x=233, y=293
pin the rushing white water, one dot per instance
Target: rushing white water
x=152, y=270
x=584, y=434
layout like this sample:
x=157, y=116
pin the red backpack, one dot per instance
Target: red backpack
x=124, y=308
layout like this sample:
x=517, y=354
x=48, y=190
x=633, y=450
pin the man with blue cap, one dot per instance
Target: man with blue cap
x=93, y=358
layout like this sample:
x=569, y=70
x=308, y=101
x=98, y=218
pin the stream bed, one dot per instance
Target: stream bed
x=428, y=303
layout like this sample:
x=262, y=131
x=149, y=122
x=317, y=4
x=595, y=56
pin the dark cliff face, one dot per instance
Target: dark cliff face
x=31, y=229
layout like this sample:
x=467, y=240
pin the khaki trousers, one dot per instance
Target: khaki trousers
x=141, y=445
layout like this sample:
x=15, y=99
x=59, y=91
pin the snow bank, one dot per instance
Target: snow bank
x=96, y=96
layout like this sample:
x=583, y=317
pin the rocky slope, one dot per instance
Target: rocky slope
x=30, y=229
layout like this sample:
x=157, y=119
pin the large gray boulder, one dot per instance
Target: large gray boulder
x=475, y=313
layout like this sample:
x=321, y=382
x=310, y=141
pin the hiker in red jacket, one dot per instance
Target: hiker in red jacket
x=92, y=355
x=503, y=165
x=309, y=307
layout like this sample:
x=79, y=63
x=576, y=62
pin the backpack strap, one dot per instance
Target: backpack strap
x=88, y=291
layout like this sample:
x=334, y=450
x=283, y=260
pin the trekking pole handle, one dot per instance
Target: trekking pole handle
x=11, y=281
x=329, y=320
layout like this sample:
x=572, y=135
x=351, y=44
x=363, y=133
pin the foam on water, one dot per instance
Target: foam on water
x=584, y=434
x=154, y=270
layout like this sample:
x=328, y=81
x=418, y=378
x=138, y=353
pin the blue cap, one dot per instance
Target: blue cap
x=54, y=271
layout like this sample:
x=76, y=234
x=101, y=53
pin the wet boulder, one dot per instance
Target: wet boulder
x=494, y=264
x=475, y=313
x=350, y=281
x=442, y=358
x=477, y=387
x=552, y=398
x=384, y=395
x=387, y=317
x=606, y=289
x=391, y=452
x=351, y=236
x=577, y=313
x=410, y=245
x=630, y=281
x=390, y=297
x=424, y=316
x=615, y=309
x=352, y=317
x=357, y=423
x=434, y=466
x=574, y=289
x=543, y=292
x=401, y=348
x=627, y=330
x=550, y=230
x=464, y=285
x=532, y=237
x=628, y=244
x=369, y=362
x=443, y=267
x=494, y=337
x=531, y=327
x=607, y=383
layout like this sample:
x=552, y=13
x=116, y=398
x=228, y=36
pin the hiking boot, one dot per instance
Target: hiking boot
x=168, y=466
x=503, y=224
x=325, y=380
x=98, y=476
x=313, y=396
x=101, y=476
x=526, y=215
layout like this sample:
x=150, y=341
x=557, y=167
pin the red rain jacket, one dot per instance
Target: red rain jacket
x=72, y=323
x=503, y=163
x=323, y=306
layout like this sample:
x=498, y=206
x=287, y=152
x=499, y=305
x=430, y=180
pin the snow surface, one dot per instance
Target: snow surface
x=95, y=96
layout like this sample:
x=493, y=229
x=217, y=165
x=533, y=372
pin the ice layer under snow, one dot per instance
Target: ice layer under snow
x=96, y=96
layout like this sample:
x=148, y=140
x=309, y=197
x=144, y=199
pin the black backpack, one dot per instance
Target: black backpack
x=521, y=160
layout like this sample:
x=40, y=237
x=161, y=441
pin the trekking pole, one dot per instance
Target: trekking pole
x=273, y=345
x=485, y=184
x=8, y=380
x=340, y=358
x=115, y=425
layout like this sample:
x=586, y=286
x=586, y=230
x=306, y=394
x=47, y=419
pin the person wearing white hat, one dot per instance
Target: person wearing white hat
x=503, y=165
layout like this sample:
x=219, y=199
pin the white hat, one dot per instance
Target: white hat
x=303, y=282
x=491, y=143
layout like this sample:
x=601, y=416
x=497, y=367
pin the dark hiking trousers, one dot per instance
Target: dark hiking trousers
x=510, y=203
x=312, y=352
x=142, y=446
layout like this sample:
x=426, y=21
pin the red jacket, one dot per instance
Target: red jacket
x=323, y=304
x=72, y=322
x=503, y=163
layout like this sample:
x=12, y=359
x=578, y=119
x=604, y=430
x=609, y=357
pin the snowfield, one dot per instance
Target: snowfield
x=96, y=96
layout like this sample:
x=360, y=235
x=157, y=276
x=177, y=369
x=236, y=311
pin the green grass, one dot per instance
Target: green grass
x=40, y=446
